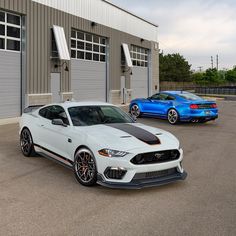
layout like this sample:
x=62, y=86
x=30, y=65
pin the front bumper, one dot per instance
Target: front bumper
x=143, y=183
x=139, y=176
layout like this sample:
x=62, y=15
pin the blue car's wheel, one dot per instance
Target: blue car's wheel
x=135, y=111
x=173, y=116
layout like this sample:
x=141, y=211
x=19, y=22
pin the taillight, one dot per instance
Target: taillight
x=214, y=105
x=194, y=106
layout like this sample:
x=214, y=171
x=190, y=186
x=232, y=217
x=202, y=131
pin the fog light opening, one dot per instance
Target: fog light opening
x=115, y=172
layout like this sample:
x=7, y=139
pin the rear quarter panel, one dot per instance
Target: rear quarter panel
x=29, y=121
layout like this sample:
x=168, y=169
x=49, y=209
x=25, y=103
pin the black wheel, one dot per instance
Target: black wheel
x=135, y=111
x=173, y=116
x=85, y=167
x=26, y=143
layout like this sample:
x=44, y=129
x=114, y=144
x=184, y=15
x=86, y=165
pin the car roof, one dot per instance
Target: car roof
x=175, y=92
x=69, y=104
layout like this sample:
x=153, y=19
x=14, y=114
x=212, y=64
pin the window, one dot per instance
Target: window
x=94, y=115
x=162, y=97
x=2, y=16
x=139, y=56
x=13, y=19
x=10, y=32
x=13, y=45
x=87, y=46
x=54, y=112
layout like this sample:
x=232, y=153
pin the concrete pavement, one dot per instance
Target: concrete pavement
x=39, y=197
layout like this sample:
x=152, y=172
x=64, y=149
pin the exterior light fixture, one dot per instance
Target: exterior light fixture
x=66, y=68
x=93, y=24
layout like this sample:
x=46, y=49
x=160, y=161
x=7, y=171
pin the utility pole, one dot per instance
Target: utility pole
x=217, y=62
x=200, y=68
x=211, y=62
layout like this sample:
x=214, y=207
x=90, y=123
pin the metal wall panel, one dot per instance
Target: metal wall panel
x=88, y=80
x=139, y=82
x=106, y=14
x=10, y=84
x=39, y=66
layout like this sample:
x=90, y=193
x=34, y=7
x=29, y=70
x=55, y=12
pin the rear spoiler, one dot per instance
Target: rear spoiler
x=30, y=109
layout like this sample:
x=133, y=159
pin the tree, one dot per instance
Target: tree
x=209, y=77
x=230, y=75
x=174, y=67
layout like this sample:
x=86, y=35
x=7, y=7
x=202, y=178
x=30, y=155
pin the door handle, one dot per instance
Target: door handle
x=69, y=140
x=42, y=125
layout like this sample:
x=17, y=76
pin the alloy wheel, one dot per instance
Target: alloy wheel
x=85, y=167
x=26, y=142
x=135, y=110
x=173, y=116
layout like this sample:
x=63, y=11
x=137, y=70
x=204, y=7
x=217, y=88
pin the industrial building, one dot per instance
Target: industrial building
x=55, y=50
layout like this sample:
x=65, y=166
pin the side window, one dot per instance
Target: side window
x=54, y=112
x=163, y=96
x=43, y=112
x=156, y=97
x=170, y=98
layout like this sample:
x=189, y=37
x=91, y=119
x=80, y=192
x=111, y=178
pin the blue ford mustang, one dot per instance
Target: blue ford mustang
x=175, y=106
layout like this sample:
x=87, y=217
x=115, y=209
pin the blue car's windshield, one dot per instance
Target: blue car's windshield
x=94, y=115
x=189, y=96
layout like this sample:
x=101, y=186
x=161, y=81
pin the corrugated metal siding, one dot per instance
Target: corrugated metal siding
x=39, y=20
x=105, y=14
x=88, y=80
x=19, y=6
x=139, y=82
x=10, y=84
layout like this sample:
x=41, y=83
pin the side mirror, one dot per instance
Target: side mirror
x=58, y=122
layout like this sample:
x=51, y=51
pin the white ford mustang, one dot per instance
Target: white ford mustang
x=102, y=144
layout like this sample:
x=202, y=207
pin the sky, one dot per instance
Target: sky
x=197, y=29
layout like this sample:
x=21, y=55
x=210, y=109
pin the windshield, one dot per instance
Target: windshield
x=94, y=115
x=189, y=96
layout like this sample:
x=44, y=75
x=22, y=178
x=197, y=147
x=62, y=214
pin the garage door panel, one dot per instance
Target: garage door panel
x=10, y=84
x=88, y=80
x=139, y=82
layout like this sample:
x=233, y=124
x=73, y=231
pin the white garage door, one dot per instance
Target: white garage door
x=88, y=66
x=10, y=65
x=139, y=78
x=88, y=80
x=10, y=85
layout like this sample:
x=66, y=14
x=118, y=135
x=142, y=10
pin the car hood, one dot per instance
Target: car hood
x=108, y=136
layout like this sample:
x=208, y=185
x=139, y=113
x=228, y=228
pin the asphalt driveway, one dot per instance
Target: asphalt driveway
x=39, y=197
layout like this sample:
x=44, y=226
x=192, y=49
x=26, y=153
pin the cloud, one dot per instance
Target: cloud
x=197, y=29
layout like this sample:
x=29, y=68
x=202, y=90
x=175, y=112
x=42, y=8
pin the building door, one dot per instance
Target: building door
x=56, y=87
x=139, y=79
x=139, y=82
x=10, y=65
x=10, y=85
x=88, y=66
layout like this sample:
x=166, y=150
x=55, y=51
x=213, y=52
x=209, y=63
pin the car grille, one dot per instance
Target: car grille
x=155, y=174
x=204, y=106
x=155, y=157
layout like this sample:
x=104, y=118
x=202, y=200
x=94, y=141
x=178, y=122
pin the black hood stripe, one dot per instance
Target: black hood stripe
x=137, y=132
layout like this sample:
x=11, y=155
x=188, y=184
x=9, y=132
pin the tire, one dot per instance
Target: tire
x=135, y=111
x=173, y=116
x=26, y=143
x=85, y=169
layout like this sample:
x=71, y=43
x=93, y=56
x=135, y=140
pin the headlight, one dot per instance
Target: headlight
x=111, y=153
